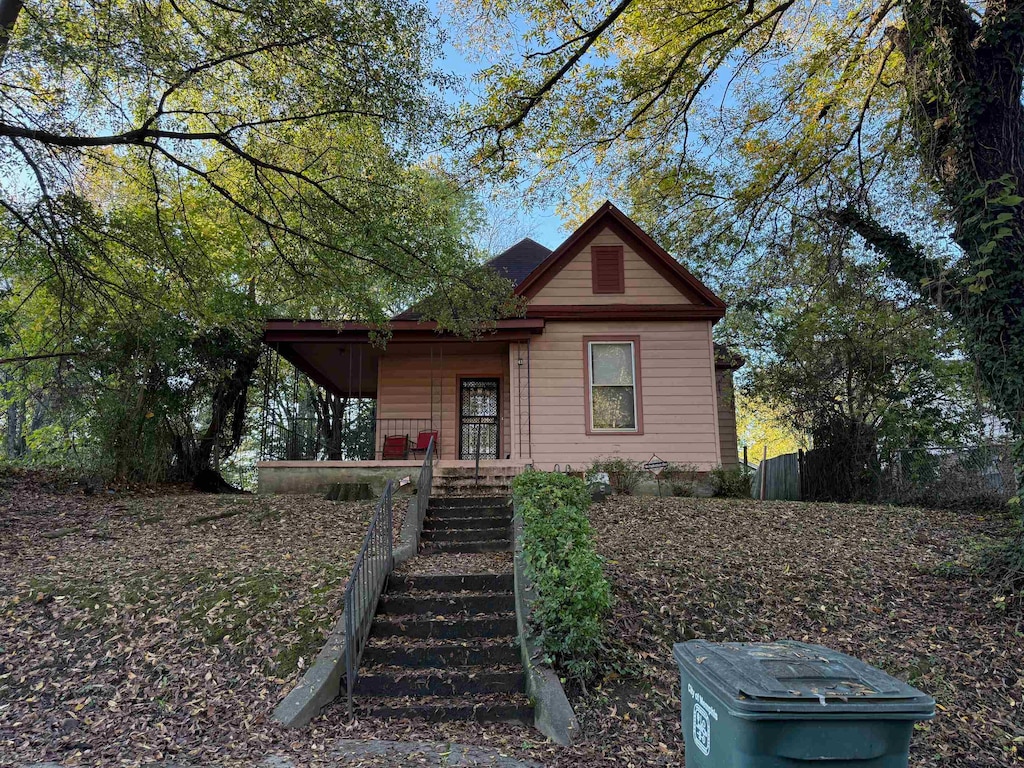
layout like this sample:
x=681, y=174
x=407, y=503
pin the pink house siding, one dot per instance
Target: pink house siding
x=574, y=285
x=727, y=419
x=404, y=390
x=678, y=393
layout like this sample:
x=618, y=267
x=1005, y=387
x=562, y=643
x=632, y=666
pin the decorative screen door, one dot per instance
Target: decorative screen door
x=478, y=418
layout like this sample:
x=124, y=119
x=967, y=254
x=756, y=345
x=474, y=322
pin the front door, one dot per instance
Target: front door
x=478, y=418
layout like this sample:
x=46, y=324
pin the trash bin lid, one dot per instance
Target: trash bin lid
x=789, y=676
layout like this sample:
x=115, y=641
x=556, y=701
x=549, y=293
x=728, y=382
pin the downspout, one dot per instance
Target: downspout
x=529, y=409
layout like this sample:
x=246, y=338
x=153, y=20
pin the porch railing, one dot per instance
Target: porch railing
x=365, y=584
x=409, y=428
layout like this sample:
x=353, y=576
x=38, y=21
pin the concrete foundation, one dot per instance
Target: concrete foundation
x=318, y=477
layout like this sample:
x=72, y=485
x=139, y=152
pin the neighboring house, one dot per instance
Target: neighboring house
x=613, y=357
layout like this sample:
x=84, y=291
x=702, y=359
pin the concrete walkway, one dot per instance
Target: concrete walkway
x=371, y=753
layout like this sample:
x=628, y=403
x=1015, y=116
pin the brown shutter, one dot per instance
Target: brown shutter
x=606, y=269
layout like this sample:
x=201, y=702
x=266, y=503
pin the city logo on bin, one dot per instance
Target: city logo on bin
x=703, y=714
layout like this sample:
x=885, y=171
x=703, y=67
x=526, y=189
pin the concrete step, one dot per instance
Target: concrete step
x=489, y=485
x=463, y=513
x=471, y=471
x=467, y=534
x=466, y=523
x=410, y=605
x=457, y=710
x=469, y=501
x=445, y=629
x=443, y=654
x=438, y=683
x=465, y=547
x=470, y=582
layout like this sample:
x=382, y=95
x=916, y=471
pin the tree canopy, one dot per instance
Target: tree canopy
x=300, y=131
x=741, y=132
x=175, y=173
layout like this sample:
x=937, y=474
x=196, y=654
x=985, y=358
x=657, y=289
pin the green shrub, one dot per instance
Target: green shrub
x=573, y=596
x=681, y=478
x=731, y=483
x=623, y=474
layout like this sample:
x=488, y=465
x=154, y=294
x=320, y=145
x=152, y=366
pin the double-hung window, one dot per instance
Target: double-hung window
x=612, y=385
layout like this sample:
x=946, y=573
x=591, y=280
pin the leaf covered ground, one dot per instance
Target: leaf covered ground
x=153, y=626
x=141, y=626
x=889, y=585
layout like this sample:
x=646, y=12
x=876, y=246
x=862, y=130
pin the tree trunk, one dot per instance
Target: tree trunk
x=331, y=409
x=14, y=440
x=225, y=429
x=9, y=12
x=963, y=85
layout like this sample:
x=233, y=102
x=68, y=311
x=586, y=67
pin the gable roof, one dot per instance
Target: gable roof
x=531, y=266
x=610, y=217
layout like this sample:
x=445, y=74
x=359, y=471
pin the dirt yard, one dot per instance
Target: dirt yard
x=148, y=627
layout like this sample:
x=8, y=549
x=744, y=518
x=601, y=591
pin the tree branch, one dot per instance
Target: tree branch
x=907, y=261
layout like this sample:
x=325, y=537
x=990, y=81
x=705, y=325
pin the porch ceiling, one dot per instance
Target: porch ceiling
x=348, y=370
x=340, y=357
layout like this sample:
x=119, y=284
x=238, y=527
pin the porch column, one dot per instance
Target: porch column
x=513, y=402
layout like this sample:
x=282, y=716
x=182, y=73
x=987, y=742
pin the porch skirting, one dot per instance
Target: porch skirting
x=290, y=477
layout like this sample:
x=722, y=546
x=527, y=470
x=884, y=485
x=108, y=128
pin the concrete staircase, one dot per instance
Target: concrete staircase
x=467, y=524
x=443, y=646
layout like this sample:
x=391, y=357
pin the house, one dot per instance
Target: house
x=614, y=356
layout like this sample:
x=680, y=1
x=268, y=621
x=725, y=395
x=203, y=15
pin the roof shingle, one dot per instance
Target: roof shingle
x=517, y=262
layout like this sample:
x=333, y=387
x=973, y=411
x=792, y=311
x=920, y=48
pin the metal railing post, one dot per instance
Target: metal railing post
x=476, y=472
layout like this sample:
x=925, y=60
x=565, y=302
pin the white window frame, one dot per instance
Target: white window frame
x=590, y=385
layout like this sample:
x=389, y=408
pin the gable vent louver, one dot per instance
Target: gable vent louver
x=607, y=269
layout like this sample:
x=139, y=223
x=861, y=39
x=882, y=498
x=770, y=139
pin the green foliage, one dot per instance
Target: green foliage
x=624, y=474
x=757, y=140
x=859, y=366
x=573, y=596
x=287, y=137
x=730, y=482
x=191, y=172
x=682, y=479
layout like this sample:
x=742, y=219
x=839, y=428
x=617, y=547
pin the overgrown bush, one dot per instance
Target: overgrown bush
x=1002, y=561
x=730, y=482
x=681, y=478
x=573, y=596
x=623, y=474
x=964, y=480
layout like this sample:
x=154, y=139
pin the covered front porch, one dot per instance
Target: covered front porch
x=378, y=406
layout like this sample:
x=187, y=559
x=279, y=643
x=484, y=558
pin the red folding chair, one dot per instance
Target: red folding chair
x=423, y=441
x=395, y=447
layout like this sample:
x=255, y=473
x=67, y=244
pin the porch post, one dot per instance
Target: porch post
x=515, y=431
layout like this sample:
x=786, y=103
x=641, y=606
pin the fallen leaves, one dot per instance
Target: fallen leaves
x=174, y=634
x=137, y=636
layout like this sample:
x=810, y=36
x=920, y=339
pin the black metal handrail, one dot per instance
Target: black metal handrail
x=423, y=486
x=373, y=565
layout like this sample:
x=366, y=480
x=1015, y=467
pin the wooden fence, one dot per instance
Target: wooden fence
x=778, y=479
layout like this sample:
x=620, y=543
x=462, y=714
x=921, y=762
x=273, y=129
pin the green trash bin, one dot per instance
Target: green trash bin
x=786, y=704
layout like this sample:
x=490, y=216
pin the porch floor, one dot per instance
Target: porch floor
x=395, y=464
